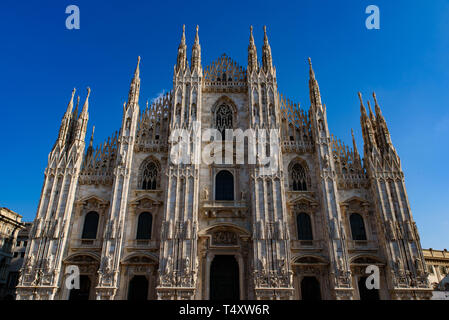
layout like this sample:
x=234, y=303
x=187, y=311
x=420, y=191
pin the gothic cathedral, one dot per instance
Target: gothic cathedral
x=136, y=225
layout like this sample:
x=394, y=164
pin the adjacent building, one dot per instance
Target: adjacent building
x=438, y=268
x=139, y=224
x=10, y=225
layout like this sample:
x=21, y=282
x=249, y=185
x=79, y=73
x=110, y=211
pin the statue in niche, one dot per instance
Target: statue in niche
x=205, y=195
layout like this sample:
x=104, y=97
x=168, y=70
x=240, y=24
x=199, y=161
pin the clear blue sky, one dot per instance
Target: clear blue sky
x=406, y=62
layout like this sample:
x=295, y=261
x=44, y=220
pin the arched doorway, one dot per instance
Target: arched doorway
x=365, y=293
x=224, y=278
x=310, y=289
x=83, y=292
x=138, y=288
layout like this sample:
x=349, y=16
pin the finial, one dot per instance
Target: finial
x=360, y=98
x=375, y=98
x=92, y=137
x=86, y=102
x=137, y=71
x=265, y=37
x=311, y=72
x=77, y=105
x=371, y=114
x=70, y=106
x=251, y=38
x=376, y=105
x=197, y=38
x=183, y=38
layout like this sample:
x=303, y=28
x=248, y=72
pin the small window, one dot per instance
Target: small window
x=144, y=225
x=224, y=186
x=22, y=254
x=90, y=226
x=357, y=227
x=304, y=227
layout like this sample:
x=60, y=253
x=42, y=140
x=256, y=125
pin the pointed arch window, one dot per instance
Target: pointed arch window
x=223, y=119
x=299, y=178
x=304, y=226
x=90, y=225
x=357, y=227
x=149, y=175
x=224, y=186
x=144, y=225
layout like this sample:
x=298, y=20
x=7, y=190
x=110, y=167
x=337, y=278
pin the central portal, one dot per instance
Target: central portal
x=224, y=278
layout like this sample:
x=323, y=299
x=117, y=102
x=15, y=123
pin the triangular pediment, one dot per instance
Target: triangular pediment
x=355, y=199
x=92, y=199
x=302, y=198
x=145, y=201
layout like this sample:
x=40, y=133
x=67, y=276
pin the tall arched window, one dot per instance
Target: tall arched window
x=149, y=174
x=357, y=227
x=223, y=119
x=144, y=225
x=224, y=186
x=90, y=225
x=304, y=226
x=299, y=178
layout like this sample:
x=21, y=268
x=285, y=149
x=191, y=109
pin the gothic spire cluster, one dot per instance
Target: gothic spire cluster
x=267, y=60
x=376, y=136
x=181, y=60
x=73, y=125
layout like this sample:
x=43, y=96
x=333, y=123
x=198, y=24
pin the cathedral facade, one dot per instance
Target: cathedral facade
x=136, y=224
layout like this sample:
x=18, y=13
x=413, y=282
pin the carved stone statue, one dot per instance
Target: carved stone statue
x=205, y=195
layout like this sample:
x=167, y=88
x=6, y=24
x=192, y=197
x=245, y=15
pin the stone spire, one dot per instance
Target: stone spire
x=70, y=106
x=134, y=90
x=267, y=61
x=75, y=113
x=252, y=53
x=182, y=54
x=91, y=143
x=381, y=126
x=90, y=148
x=354, y=146
x=367, y=128
x=86, y=104
x=81, y=125
x=196, y=53
x=66, y=120
x=315, y=95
